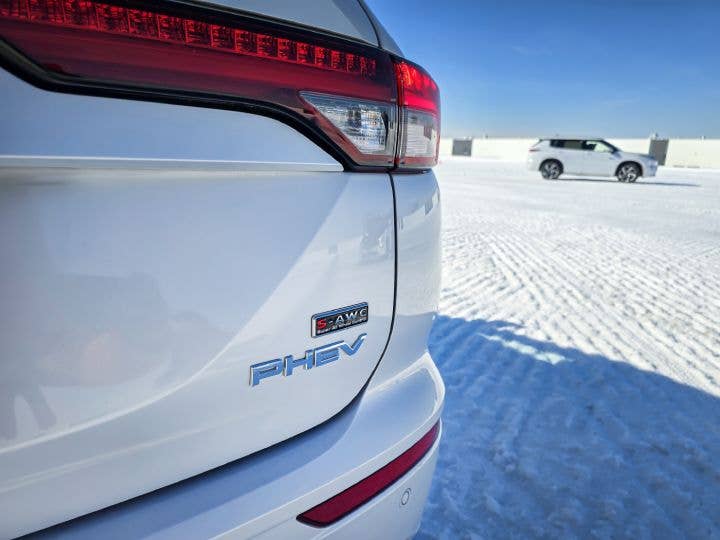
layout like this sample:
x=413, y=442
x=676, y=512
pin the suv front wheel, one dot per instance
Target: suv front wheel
x=628, y=172
x=551, y=169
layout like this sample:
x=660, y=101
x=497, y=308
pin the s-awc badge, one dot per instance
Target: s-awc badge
x=339, y=319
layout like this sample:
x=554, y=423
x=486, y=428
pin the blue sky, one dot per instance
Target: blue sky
x=615, y=68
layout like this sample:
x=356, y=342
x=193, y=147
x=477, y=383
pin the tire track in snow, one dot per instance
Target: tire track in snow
x=661, y=304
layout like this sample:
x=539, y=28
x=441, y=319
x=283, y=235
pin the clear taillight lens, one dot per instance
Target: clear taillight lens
x=420, y=136
x=370, y=126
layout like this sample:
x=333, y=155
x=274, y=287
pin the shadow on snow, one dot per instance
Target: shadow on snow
x=546, y=441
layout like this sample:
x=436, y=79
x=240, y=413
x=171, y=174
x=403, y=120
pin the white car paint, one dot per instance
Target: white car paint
x=151, y=254
x=587, y=157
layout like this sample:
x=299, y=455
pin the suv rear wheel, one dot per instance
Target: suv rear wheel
x=551, y=169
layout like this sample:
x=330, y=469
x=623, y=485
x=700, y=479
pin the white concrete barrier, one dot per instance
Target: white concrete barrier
x=703, y=153
x=446, y=147
x=505, y=149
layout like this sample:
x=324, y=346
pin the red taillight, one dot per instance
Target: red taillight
x=419, y=99
x=347, y=90
x=416, y=87
x=102, y=17
x=343, y=503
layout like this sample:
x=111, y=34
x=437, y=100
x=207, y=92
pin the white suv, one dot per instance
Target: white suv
x=216, y=289
x=588, y=157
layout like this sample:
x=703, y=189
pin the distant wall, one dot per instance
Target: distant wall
x=703, y=153
x=446, y=147
x=506, y=149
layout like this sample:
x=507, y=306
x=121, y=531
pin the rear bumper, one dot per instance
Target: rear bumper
x=262, y=495
x=532, y=163
x=394, y=513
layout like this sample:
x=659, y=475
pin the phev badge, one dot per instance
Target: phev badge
x=313, y=358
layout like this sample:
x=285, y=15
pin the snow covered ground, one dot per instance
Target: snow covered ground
x=579, y=340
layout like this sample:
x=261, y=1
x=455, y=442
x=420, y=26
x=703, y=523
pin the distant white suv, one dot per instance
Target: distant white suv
x=588, y=157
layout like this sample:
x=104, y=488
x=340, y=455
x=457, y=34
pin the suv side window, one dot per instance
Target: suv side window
x=574, y=145
x=557, y=144
x=597, y=146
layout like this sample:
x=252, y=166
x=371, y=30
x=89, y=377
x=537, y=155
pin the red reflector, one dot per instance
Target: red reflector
x=343, y=503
